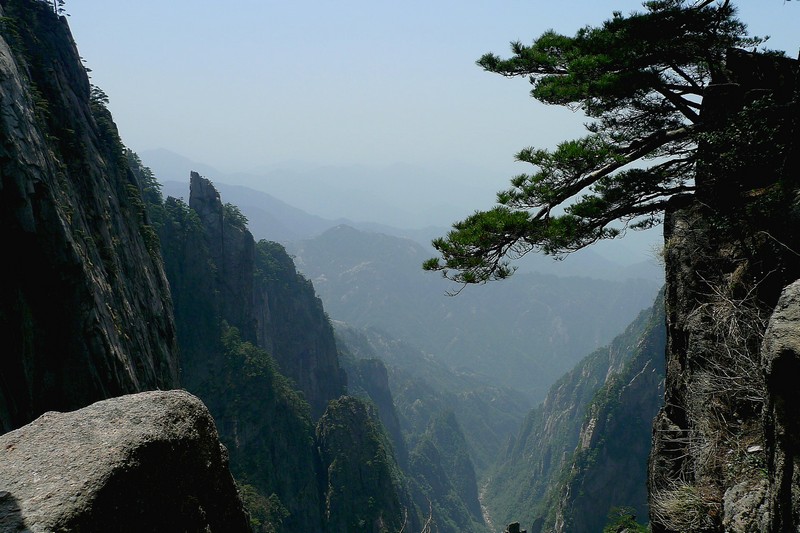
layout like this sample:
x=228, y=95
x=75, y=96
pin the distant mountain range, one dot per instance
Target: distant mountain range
x=274, y=220
x=522, y=333
x=398, y=195
x=271, y=217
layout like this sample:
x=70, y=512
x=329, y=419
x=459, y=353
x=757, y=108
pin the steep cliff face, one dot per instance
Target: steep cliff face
x=232, y=251
x=781, y=364
x=530, y=482
x=444, y=477
x=362, y=485
x=292, y=325
x=259, y=291
x=423, y=387
x=521, y=334
x=439, y=469
x=258, y=349
x=609, y=468
x=730, y=251
x=263, y=421
x=369, y=379
x=85, y=313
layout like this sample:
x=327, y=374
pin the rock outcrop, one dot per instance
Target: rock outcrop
x=258, y=349
x=362, y=484
x=444, y=478
x=142, y=462
x=730, y=250
x=258, y=290
x=232, y=252
x=292, y=325
x=85, y=310
x=368, y=379
x=781, y=362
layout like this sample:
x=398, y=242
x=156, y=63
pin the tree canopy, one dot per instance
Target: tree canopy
x=640, y=79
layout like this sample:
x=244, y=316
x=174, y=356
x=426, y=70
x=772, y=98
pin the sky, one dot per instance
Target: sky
x=252, y=85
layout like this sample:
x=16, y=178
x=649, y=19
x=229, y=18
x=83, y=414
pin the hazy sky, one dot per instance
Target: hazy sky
x=249, y=83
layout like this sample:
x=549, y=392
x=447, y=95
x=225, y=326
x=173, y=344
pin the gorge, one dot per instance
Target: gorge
x=166, y=369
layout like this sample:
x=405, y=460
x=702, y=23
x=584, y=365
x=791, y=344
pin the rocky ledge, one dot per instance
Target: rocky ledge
x=143, y=462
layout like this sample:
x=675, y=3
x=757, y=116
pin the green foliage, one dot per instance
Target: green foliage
x=244, y=359
x=16, y=30
x=623, y=520
x=274, y=265
x=144, y=194
x=262, y=420
x=247, y=365
x=266, y=513
x=56, y=5
x=234, y=216
x=363, y=485
x=108, y=135
x=179, y=214
x=149, y=187
x=640, y=79
x=443, y=476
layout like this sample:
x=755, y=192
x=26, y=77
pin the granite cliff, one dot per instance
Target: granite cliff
x=85, y=311
x=260, y=352
x=722, y=446
x=87, y=315
x=256, y=288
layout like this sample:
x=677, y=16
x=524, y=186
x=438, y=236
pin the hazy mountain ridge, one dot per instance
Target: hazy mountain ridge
x=609, y=467
x=89, y=315
x=271, y=217
x=422, y=388
x=332, y=191
x=523, y=333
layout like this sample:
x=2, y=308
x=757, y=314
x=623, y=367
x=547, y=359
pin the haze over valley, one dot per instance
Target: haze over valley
x=365, y=268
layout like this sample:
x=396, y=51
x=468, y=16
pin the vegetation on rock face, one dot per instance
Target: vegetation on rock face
x=239, y=381
x=292, y=325
x=689, y=128
x=362, y=482
x=609, y=467
x=422, y=388
x=640, y=78
x=263, y=419
x=731, y=249
x=439, y=470
x=623, y=520
x=444, y=478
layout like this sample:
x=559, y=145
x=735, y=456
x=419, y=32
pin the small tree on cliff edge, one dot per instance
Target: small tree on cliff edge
x=640, y=79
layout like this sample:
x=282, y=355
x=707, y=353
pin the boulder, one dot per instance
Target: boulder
x=143, y=462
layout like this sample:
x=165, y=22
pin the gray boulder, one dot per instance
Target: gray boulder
x=143, y=462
